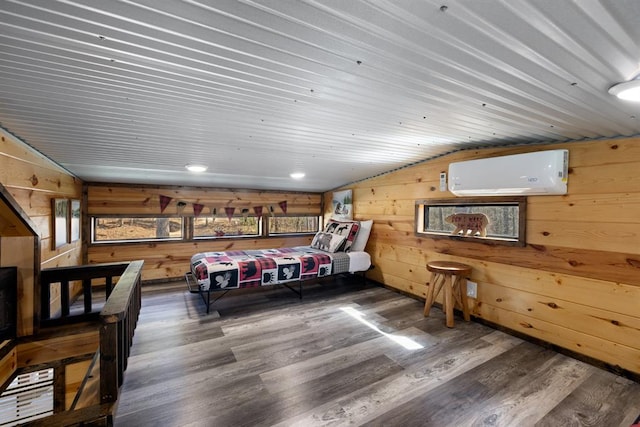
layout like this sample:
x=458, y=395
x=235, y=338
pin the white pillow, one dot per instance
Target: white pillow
x=363, y=236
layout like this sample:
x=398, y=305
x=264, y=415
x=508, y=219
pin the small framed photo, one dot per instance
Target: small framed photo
x=342, y=205
x=74, y=221
x=60, y=217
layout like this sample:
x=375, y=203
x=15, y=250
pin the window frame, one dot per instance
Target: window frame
x=188, y=229
x=267, y=225
x=92, y=226
x=191, y=236
x=422, y=206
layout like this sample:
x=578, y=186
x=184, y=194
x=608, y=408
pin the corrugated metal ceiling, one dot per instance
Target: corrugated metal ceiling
x=131, y=91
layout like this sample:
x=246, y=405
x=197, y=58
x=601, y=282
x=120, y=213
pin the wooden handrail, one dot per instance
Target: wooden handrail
x=87, y=271
x=116, y=306
x=119, y=318
x=66, y=275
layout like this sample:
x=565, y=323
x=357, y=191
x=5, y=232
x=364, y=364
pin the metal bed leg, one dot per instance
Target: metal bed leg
x=208, y=300
x=194, y=289
x=298, y=292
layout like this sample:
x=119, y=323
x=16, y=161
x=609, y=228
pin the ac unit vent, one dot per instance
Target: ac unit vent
x=536, y=173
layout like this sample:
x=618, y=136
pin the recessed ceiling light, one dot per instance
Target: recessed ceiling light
x=629, y=91
x=192, y=167
x=297, y=175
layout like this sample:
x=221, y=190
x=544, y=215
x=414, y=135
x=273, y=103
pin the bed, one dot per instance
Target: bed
x=334, y=250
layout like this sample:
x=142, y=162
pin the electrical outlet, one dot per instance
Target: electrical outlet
x=472, y=289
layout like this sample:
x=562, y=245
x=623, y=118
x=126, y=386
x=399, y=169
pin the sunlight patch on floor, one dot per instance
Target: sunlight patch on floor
x=405, y=342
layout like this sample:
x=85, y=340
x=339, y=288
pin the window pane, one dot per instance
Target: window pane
x=503, y=219
x=294, y=224
x=110, y=229
x=498, y=219
x=223, y=227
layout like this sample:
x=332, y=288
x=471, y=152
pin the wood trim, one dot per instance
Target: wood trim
x=95, y=415
x=85, y=222
x=37, y=313
x=26, y=226
x=8, y=364
x=198, y=188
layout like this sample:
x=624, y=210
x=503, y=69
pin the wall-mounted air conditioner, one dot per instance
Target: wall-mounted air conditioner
x=540, y=172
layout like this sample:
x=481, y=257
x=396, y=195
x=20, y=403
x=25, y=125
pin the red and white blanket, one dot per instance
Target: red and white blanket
x=253, y=268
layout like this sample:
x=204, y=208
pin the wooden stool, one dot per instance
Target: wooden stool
x=442, y=275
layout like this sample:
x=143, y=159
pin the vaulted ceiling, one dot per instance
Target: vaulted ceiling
x=132, y=91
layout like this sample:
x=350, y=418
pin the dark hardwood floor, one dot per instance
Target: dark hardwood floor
x=349, y=354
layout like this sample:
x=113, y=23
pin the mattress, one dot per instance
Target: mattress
x=263, y=267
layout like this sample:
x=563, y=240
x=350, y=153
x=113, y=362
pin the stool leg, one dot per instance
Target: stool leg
x=461, y=290
x=434, y=288
x=448, y=299
x=430, y=295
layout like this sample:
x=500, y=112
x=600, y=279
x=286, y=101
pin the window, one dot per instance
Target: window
x=110, y=229
x=136, y=228
x=294, y=224
x=237, y=226
x=498, y=219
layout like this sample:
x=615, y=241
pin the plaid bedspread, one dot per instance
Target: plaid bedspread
x=253, y=268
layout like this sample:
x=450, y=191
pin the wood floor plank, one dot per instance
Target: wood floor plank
x=525, y=400
x=327, y=364
x=368, y=403
x=307, y=343
x=173, y=337
x=203, y=400
x=598, y=401
x=263, y=357
x=176, y=364
x=467, y=392
x=295, y=398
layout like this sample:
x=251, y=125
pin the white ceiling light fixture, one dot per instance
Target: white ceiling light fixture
x=629, y=91
x=193, y=167
x=297, y=175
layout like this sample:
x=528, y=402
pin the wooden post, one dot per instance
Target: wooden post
x=118, y=317
x=108, y=362
x=64, y=297
x=108, y=285
x=59, y=388
x=86, y=289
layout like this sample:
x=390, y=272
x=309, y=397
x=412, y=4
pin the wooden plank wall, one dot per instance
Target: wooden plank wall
x=169, y=260
x=8, y=363
x=577, y=282
x=33, y=180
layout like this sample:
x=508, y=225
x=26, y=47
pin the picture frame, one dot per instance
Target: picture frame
x=436, y=219
x=74, y=220
x=342, y=205
x=60, y=221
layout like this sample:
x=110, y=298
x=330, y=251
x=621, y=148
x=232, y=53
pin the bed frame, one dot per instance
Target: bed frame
x=193, y=288
x=221, y=272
